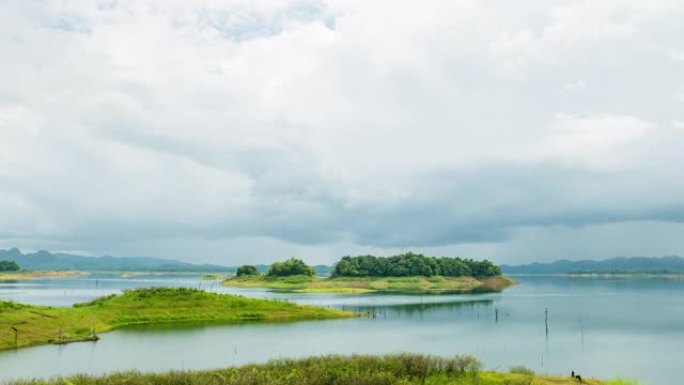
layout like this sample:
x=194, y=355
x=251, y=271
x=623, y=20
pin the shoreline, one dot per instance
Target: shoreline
x=375, y=285
x=39, y=325
x=21, y=275
x=608, y=276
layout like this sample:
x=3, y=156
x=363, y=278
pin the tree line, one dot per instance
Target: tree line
x=412, y=264
x=292, y=266
x=8, y=266
x=402, y=265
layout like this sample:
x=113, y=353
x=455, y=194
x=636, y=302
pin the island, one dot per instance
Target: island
x=408, y=273
x=409, y=369
x=11, y=271
x=25, y=325
x=23, y=274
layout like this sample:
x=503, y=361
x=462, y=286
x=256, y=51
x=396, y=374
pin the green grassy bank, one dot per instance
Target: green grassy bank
x=336, y=370
x=40, y=324
x=418, y=285
x=17, y=275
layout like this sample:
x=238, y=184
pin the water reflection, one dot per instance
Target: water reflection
x=602, y=328
x=412, y=309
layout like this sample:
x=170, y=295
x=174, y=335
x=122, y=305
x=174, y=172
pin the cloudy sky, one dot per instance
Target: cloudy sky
x=246, y=131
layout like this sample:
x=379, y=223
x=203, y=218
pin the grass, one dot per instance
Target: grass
x=402, y=369
x=41, y=324
x=426, y=285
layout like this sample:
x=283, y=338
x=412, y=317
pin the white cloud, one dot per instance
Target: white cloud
x=576, y=86
x=596, y=139
x=315, y=124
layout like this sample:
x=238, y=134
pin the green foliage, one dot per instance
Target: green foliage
x=40, y=324
x=292, y=266
x=97, y=301
x=8, y=266
x=521, y=370
x=326, y=370
x=246, y=270
x=525, y=376
x=412, y=264
x=358, y=285
x=400, y=369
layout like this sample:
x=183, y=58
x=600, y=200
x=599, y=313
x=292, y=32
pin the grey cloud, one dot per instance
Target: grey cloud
x=446, y=207
x=209, y=125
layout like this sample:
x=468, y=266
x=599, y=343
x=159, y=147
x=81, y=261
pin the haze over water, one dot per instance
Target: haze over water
x=599, y=328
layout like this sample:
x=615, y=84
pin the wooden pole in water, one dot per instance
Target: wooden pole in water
x=546, y=321
x=16, y=336
x=496, y=315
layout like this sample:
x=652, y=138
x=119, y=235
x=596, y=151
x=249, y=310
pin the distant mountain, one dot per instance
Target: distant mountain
x=620, y=265
x=321, y=270
x=44, y=260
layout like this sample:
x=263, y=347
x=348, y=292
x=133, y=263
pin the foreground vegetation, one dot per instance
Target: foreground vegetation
x=418, y=285
x=33, y=325
x=336, y=370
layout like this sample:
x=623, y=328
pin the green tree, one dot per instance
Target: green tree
x=292, y=266
x=246, y=270
x=8, y=266
x=412, y=264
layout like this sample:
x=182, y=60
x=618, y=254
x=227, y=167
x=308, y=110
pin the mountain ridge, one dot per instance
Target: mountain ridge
x=617, y=265
x=45, y=260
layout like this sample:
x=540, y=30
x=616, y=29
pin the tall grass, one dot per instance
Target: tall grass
x=399, y=369
x=332, y=370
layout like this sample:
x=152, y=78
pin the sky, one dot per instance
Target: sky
x=241, y=131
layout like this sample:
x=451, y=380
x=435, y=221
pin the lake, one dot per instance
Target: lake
x=599, y=328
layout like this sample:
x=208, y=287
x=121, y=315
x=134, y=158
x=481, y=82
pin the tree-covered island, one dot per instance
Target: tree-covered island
x=407, y=273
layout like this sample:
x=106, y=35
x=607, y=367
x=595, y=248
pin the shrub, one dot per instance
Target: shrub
x=525, y=376
x=292, y=266
x=246, y=270
x=521, y=370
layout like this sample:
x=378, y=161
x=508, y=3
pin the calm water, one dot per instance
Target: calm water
x=600, y=328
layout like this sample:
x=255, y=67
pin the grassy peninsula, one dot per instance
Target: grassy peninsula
x=17, y=275
x=36, y=325
x=405, y=273
x=404, y=369
x=360, y=285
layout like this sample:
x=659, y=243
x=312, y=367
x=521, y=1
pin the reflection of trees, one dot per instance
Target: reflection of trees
x=418, y=308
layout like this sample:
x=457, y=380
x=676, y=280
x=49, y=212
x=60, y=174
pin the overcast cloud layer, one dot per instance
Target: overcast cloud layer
x=237, y=131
